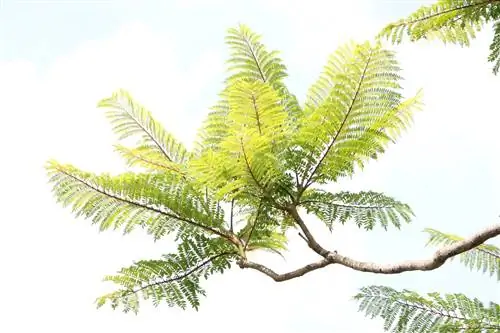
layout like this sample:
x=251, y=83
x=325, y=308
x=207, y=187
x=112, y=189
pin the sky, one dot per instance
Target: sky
x=59, y=58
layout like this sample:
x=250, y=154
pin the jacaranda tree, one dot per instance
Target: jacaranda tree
x=259, y=166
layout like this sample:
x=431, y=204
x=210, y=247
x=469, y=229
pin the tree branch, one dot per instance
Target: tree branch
x=285, y=276
x=436, y=261
x=231, y=229
x=308, y=237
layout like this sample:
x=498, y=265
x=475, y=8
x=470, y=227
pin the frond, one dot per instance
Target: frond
x=274, y=242
x=149, y=157
x=485, y=257
x=263, y=229
x=353, y=112
x=451, y=21
x=495, y=49
x=214, y=128
x=454, y=21
x=129, y=118
x=407, y=312
x=248, y=156
x=161, y=203
x=366, y=209
x=175, y=279
x=251, y=61
x=255, y=110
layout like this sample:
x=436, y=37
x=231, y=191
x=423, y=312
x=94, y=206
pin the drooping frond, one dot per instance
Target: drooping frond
x=161, y=203
x=174, y=279
x=353, y=112
x=366, y=209
x=485, y=257
x=407, y=312
x=452, y=21
x=129, y=118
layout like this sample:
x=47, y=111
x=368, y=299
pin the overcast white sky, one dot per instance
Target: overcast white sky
x=58, y=58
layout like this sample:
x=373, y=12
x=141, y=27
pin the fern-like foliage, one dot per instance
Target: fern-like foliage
x=174, y=279
x=262, y=230
x=161, y=203
x=249, y=153
x=485, y=257
x=408, y=312
x=494, y=56
x=366, y=209
x=452, y=21
x=257, y=153
x=250, y=60
x=157, y=148
x=352, y=113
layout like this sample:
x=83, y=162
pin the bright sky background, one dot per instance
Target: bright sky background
x=58, y=58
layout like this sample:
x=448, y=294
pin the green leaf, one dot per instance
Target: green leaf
x=129, y=118
x=251, y=61
x=149, y=157
x=248, y=156
x=495, y=49
x=451, y=21
x=161, y=203
x=408, y=312
x=175, y=279
x=366, y=209
x=352, y=113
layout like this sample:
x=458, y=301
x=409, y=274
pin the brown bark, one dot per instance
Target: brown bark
x=329, y=257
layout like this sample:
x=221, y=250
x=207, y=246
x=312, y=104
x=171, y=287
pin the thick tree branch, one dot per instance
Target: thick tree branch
x=311, y=241
x=436, y=261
